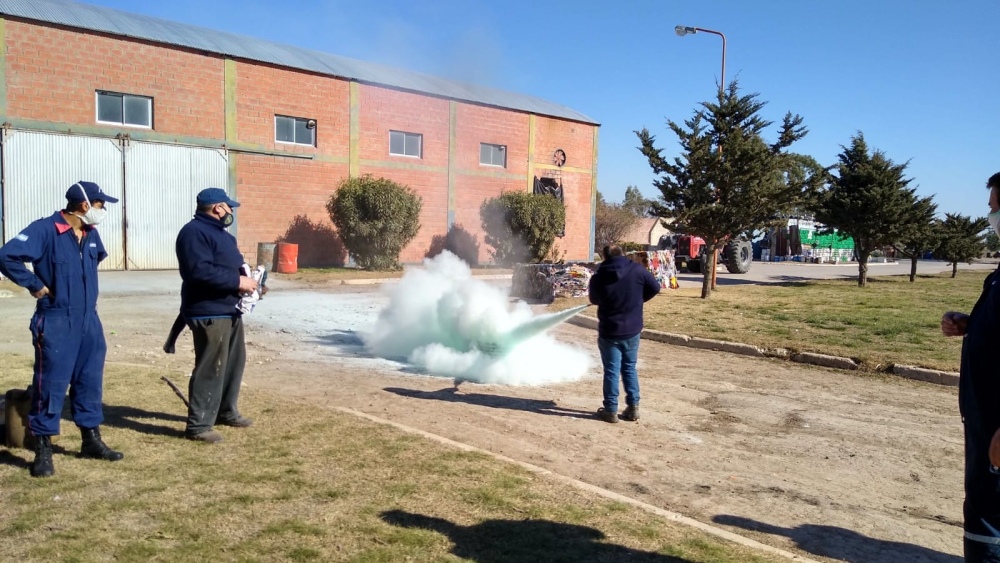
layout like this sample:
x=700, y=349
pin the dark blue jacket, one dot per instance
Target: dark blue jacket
x=619, y=288
x=979, y=384
x=978, y=389
x=210, y=262
x=66, y=266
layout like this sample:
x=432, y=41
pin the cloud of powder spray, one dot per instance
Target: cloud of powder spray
x=437, y=314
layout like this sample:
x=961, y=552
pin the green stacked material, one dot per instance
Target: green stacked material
x=834, y=241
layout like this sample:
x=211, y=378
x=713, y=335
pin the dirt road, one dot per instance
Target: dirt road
x=836, y=465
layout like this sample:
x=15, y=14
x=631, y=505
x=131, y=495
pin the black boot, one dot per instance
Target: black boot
x=95, y=448
x=42, y=466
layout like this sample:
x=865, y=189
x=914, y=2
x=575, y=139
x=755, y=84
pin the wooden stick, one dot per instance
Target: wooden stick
x=177, y=390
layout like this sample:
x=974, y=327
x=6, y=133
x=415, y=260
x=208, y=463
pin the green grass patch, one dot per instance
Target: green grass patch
x=890, y=321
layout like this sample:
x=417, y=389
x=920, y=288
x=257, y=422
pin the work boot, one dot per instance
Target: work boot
x=607, y=416
x=238, y=422
x=208, y=436
x=631, y=413
x=95, y=448
x=42, y=466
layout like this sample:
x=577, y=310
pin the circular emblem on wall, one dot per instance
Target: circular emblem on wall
x=559, y=157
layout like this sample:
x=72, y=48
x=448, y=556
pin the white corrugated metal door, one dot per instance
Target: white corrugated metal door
x=40, y=167
x=162, y=182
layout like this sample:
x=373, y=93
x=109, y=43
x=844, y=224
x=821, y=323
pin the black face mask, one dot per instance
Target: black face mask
x=227, y=219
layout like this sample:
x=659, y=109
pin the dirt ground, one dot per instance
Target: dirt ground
x=829, y=464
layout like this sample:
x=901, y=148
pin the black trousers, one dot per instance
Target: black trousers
x=220, y=355
x=982, y=496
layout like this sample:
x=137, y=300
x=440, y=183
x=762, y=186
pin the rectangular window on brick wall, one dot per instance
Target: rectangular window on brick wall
x=295, y=130
x=406, y=144
x=493, y=155
x=124, y=109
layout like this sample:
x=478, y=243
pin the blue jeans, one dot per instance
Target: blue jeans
x=619, y=356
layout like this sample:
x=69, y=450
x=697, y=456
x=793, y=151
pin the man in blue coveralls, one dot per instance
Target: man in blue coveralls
x=210, y=267
x=978, y=395
x=64, y=250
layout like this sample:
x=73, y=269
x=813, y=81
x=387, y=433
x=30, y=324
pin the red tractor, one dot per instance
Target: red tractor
x=736, y=254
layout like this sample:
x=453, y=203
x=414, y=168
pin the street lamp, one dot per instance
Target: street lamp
x=683, y=30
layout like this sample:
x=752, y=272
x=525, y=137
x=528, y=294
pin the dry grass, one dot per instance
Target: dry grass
x=304, y=484
x=890, y=321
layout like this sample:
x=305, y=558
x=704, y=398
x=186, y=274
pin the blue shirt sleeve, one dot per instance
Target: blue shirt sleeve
x=28, y=246
x=650, y=287
x=593, y=291
x=197, y=262
x=102, y=253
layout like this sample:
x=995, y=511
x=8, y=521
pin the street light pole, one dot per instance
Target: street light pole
x=681, y=31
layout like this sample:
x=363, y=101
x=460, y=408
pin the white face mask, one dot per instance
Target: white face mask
x=93, y=216
x=994, y=219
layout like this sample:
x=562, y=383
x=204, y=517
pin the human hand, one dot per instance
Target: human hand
x=247, y=285
x=995, y=449
x=41, y=292
x=954, y=324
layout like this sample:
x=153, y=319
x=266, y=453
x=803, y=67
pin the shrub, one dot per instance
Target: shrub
x=633, y=247
x=375, y=218
x=459, y=242
x=319, y=245
x=521, y=227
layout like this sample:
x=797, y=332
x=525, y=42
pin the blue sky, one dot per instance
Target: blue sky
x=921, y=80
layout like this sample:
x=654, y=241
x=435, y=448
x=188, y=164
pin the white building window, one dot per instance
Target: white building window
x=124, y=109
x=406, y=144
x=493, y=155
x=295, y=130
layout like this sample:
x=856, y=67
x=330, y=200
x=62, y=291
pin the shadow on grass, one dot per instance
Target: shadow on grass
x=140, y=420
x=453, y=395
x=843, y=544
x=7, y=457
x=525, y=540
x=21, y=458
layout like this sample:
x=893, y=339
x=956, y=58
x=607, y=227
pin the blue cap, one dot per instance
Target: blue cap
x=75, y=193
x=211, y=196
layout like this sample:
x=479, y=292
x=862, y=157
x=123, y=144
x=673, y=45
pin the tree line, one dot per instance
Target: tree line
x=728, y=180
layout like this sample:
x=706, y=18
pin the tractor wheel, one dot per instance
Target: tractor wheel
x=694, y=265
x=739, y=256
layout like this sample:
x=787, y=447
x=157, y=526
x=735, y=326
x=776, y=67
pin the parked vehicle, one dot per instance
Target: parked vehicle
x=736, y=254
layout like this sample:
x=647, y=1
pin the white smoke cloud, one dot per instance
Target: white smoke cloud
x=440, y=319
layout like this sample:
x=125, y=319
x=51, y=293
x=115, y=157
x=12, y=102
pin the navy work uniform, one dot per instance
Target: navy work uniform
x=66, y=332
x=979, y=388
x=210, y=262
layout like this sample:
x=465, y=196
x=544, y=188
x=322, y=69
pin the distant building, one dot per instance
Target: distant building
x=155, y=111
x=647, y=231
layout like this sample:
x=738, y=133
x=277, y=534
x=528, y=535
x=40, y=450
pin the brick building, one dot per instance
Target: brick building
x=155, y=111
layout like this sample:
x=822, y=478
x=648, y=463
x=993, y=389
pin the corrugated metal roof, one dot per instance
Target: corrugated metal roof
x=107, y=20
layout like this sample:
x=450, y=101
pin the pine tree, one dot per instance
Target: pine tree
x=727, y=180
x=922, y=233
x=635, y=202
x=962, y=239
x=993, y=242
x=868, y=199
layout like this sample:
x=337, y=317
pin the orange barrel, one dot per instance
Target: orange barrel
x=288, y=258
x=265, y=255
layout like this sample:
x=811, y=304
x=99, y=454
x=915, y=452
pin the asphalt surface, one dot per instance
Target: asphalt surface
x=161, y=282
